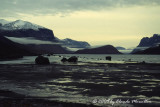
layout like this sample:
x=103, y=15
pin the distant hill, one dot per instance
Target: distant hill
x=75, y=44
x=152, y=50
x=108, y=49
x=120, y=48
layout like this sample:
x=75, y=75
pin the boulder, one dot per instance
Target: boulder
x=42, y=60
x=73, y=59
x=108, y=58
x=64, y=59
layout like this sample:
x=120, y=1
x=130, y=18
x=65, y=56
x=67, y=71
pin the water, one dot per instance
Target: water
x=99, y=58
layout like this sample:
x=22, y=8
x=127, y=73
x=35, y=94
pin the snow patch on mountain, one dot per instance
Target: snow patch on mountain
x=19, y=24
x=3, y=22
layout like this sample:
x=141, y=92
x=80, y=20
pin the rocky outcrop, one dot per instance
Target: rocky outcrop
x=41, y=60
x=64, y=60
x=73, y=59
x=108, y=49
x=149, y=42
x=146, y=43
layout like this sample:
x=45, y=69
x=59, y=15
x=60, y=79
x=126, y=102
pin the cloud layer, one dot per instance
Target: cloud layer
x=15, y=7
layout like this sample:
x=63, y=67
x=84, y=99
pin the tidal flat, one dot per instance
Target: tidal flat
x=87, y=84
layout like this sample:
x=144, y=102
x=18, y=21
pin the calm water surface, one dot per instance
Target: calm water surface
x=89, y=58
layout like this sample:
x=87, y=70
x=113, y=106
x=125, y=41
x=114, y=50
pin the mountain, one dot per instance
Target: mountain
x=120, y=48
x=149, y=42
x=25, y=32
x=3, y=22
x=152, y=50
x=74, y=44
x=9, y=49
x=108, y=49
x=47, y=49
x=27, y=38
x=21, y=28
x=19, y=24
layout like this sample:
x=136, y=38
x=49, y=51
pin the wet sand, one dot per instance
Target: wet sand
x=72, y=85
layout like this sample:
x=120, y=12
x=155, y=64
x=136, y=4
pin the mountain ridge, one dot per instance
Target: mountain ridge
x=151, y=50
x=150, y=41
x=18, y=24
x=107, y=49
x=146, y=43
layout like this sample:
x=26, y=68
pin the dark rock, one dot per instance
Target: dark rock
x=73, y=59
x=42, y=60
x=108, y=58
x=64, y=59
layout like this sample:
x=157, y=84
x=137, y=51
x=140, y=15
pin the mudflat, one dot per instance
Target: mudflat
x=88, y=84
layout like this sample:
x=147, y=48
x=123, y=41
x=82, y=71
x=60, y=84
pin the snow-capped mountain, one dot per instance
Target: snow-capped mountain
x=18, y=24
x=24, y=29
x=43, y=39
x=3, y=22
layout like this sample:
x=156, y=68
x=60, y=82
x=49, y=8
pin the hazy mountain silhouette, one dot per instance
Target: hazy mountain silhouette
x=152, y=50
x=107, y=49
x=147, y=42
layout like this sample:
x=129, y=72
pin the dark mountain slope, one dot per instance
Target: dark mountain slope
x=108, y=49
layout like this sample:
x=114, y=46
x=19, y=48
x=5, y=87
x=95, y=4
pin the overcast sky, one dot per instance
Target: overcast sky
x=99, y=22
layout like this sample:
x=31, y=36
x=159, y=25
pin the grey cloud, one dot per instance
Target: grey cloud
x=9, y=8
